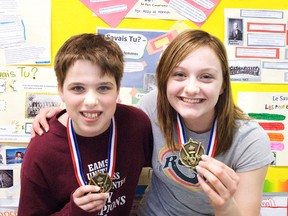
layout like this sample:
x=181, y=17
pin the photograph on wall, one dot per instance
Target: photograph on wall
x=9, y=185
x=6, y=178
x=15, y=155
x=235, y=31
x=2, y=155
x=35, y=102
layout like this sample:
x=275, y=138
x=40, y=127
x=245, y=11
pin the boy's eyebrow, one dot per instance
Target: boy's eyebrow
x=99, y=83
x=106, y=82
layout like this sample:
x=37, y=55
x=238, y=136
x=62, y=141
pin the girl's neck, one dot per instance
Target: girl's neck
x=200, y=125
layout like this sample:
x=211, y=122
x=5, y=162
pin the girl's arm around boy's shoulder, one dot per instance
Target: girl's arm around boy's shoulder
x=148, y=102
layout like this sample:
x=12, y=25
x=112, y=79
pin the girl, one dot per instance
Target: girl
x=194, y=108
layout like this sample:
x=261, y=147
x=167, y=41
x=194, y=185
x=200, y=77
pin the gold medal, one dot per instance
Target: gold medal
x=102, y=180
x=190, y=153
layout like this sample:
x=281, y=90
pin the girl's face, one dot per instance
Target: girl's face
x=194, y=86
x=90, y=98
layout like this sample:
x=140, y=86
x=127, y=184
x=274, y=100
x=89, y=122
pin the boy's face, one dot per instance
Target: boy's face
x=90, y=98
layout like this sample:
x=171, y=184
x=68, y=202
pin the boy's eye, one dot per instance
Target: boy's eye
x=78, y=88
x=104, y=88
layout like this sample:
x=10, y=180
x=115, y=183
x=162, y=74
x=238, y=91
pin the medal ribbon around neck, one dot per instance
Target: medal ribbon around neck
x=75, y=153
x=212, y=140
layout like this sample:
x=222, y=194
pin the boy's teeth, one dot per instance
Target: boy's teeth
x=91, y=115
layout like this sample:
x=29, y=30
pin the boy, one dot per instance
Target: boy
x=90, y=160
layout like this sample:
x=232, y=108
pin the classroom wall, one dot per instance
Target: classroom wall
x=71, y=17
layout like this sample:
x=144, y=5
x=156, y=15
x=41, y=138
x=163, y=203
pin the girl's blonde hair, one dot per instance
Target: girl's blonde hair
x=226, y=112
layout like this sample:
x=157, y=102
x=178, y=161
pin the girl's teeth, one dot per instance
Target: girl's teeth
x=191, y=100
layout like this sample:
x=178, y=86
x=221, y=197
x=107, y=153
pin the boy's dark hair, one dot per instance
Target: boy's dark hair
x=97, y=49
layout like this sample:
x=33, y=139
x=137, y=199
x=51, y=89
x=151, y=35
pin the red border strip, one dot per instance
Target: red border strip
x=249, y=29
x=277, y=54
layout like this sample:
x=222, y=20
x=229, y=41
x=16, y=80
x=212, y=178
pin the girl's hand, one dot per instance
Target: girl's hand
x=41, y=120
x=219, y=182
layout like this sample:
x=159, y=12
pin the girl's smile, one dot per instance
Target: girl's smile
x=194, y=86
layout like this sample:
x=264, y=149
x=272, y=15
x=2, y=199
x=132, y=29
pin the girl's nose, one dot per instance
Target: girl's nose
x=192, y=86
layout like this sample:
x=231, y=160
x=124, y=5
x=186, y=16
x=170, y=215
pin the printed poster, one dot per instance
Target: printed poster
x=25, y=32
x=24, y=90
x=256, y=43
x=197, y=11
x=271, y=111
x=112, y=11
x=156, y=9
x=11, y=157
x=142, y=50
x=274, y=204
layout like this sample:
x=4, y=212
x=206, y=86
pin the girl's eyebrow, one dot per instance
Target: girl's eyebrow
x=207, y=68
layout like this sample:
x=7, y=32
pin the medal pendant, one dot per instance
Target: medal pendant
x=102, y=180
x=190, y=153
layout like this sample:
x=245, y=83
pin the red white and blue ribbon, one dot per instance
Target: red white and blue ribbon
x=75, y=153
x=180, y=131
x=212, y=140
x=182, y=137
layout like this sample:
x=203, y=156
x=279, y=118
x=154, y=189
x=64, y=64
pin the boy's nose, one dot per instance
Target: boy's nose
x=91, y=99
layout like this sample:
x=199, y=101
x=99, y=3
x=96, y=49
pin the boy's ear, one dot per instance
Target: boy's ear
x=60, y=93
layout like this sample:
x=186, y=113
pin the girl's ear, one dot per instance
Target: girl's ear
x=223, y=87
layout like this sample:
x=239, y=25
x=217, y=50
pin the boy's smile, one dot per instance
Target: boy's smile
x=90, y=98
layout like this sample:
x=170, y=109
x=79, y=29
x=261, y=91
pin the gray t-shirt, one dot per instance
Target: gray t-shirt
x=174, y=188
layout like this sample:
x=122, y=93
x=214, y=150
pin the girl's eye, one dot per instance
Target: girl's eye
x=206, y=76
x=178, y=74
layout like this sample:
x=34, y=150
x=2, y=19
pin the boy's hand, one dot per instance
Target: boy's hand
x=89, y=199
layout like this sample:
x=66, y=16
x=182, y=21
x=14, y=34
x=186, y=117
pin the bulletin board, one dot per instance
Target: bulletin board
x=71, y=17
